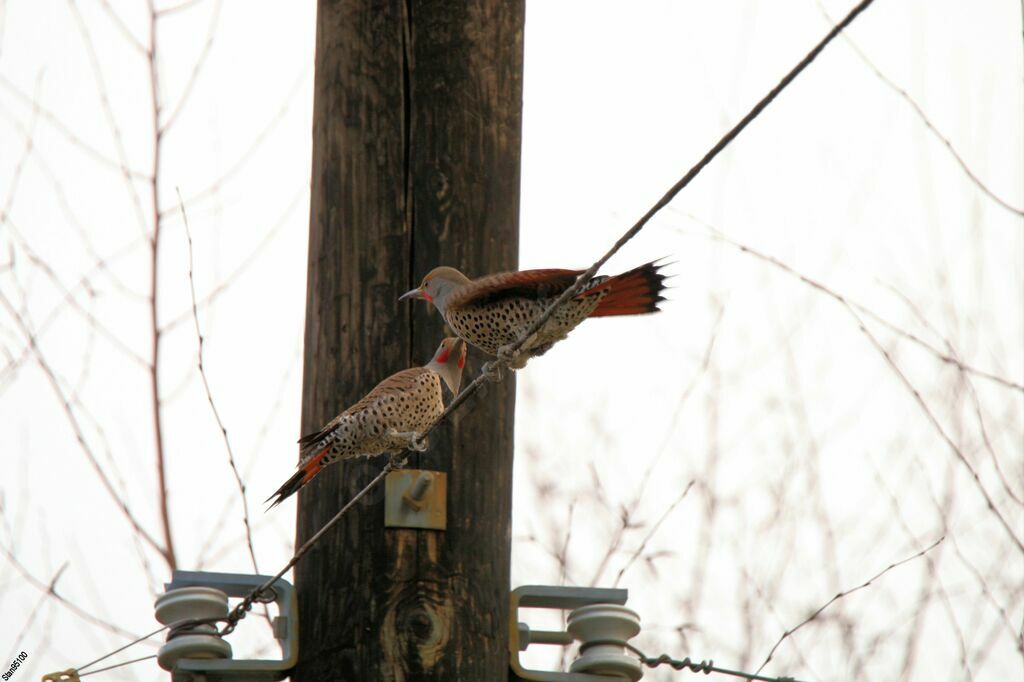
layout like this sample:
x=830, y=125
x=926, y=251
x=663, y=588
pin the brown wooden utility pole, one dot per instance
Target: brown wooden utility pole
x=416, y=140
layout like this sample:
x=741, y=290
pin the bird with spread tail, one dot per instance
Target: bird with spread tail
x=491, y=312
x=390, y=418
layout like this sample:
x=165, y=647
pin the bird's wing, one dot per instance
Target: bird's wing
x=396, y=383
x=532, y=284
x=311, y=439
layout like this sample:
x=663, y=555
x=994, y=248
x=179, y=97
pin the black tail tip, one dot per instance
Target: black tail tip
x=290, y=487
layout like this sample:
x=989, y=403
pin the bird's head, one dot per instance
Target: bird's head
x=437, y=286
x=449, y=361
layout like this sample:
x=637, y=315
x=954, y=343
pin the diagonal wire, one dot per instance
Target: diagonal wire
x=118, y=665
x=589, y=273
x=119, y=650
x=706, y=667
x=397, y=462
x=245, y=605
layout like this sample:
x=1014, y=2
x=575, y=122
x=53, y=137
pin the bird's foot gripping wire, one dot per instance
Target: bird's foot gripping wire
x=493, y=370
x=413, y=439
x=515, y=357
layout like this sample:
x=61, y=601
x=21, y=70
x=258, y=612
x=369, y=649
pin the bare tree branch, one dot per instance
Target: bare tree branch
x=187, y=4
x=927, y=122
x=49, y=589
x=845, y=593
x=123, y=28
x=265, y=424
x=961, y=457
x=245, y=263
x=650, y=534
x=196, y=69
x=70, y=298
x=154, y=282
x=976, y=401
x=76, y=427
x=944, y=357
x=247, y=155
x=852, y=309
x=68, y=134
x=209, y=397
x=683, y=398
x=108, y=110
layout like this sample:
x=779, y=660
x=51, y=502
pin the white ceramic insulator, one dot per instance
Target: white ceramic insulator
x=612, y=625
x=202, y=641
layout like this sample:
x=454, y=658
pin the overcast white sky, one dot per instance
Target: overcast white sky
x=814, y=466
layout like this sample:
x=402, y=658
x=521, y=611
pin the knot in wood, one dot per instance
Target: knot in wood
x=418, y=625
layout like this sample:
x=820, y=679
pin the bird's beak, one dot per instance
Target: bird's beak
x=412, y=293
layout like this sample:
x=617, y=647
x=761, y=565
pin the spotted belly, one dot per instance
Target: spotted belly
x=493, y=325
x=366, y=432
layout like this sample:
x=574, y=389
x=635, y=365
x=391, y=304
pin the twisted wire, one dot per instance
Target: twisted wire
x=687, y=663
x=507, y=354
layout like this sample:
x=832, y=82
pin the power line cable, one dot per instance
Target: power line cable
x=492, y=370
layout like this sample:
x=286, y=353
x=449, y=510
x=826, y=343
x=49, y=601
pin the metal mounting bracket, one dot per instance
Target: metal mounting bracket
x=553, y=597
x=416, y=498
x=286, y=630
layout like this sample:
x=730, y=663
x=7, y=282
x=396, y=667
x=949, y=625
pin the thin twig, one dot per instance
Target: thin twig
x=108, y=110
x=913, y=338
x=589, y=273
x=975, y=400
x=54, y=314
x=245, y=157
x=123, y=28
x=992, y=600
x=245, y=263
x=581, y=281
x=562, y=555
x=625, y=524
x=853, y=309
x=71, y=606
x=50, y=591
x=70, y=299
x=76, y=426
x=960, y=456
x=154, y=262
x=265, y=424
x=196, y=69
x=187, y=4
x=840, y=595
x=68, y=134
x=927, y=122
x=650, y=534
x=209, y=395
x=683, y=398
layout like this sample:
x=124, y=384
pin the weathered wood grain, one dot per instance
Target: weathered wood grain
x=416, y=135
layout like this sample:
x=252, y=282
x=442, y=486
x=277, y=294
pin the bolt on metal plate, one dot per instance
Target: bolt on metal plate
x=416, y=498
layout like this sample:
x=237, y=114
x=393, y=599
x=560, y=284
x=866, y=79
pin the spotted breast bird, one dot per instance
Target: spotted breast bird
x=390, y=418
x=491, y=312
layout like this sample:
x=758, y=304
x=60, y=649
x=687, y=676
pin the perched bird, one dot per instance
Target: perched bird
x=492, y=311
x=389, y=418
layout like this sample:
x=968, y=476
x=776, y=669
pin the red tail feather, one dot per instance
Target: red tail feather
x=632, y=293
x=300, y=478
